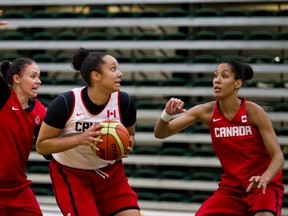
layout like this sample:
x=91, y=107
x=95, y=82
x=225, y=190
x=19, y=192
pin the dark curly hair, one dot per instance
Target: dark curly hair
x=87, y=61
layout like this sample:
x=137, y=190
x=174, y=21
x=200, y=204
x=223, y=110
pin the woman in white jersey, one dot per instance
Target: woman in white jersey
x=83, y=183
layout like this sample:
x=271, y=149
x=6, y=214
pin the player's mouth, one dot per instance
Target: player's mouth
x=35, y=89
x=217, y=89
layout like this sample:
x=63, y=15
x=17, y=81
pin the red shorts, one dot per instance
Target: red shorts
x=19, y=202
x=97, y=192
x=236, y=202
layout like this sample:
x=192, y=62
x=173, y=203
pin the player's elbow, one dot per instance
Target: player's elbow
x=282, y=160
x=39, y=148
x=158, y=134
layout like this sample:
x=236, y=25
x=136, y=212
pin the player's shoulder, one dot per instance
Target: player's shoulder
x=124, y=96
x=252, y=106
x=63, y=100
x=39, y=105
x=255, y=112
x=66, y=97
x=206, y=106
x=202, y=110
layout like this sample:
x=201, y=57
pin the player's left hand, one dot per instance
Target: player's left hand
x=257, y=182
x=130, y=148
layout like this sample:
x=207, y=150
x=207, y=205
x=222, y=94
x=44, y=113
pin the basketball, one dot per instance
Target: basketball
x=116, y=140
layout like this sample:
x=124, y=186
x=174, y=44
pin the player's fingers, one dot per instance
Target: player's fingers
x=131, y=141
x=264, y=190
x=129, y=149
x=249, y=187
x=96, y=140
x=254, y=179
x=94, y=147
x=97, y=126
x=95, y=129
x=262, y=184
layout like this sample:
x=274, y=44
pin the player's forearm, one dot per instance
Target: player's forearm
x=161, y=128
x=55, y=145
x=275, y=165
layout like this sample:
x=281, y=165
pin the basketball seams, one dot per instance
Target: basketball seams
x=113, y=132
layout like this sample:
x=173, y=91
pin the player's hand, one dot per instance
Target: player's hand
x=257, y=182
x=2, y=22
x=174, y=106
x=131, y=146
x=89, y=136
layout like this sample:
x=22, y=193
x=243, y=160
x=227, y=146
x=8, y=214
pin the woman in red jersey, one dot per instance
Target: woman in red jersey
x=244, y=141
x=21, y=114
x=83, y=183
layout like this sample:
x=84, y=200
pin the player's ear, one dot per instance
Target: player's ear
x=95, y=75
x=16, y=78
x=238, y=84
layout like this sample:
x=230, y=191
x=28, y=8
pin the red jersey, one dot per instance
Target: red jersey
x=17, y=137
x=240, y=149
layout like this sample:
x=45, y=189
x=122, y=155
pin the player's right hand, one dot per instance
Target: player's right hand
x=89, y=136
x=174, y=106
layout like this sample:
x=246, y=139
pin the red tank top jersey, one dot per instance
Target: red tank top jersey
x=16, y=140
x=240, y=148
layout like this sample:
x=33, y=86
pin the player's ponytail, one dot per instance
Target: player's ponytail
x=4, y=68
x=248, y=72
x=79, y=58
x=241, y=70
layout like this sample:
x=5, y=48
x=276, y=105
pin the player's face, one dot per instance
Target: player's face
x=224, y=82
x=111, y=75
x=29, y=81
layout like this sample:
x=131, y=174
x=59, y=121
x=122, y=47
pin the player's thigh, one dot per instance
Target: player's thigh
x=72, y=191
x=3, y=210
x=24, y=204
x=269, y=202
x=3, y=205
x=116, y=195
x=223, y=203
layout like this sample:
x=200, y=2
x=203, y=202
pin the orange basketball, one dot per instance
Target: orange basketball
x=116, y=140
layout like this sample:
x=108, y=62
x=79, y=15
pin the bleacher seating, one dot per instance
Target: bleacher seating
x=163, y=51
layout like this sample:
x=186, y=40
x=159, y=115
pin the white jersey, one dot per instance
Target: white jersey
x=83, y=157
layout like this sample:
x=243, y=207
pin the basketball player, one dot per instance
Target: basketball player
x=83, y=183
x=21, y=114
x=244, y=141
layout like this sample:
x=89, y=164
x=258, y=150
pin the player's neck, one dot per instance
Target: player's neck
x=97, y=97
x=229, y=107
